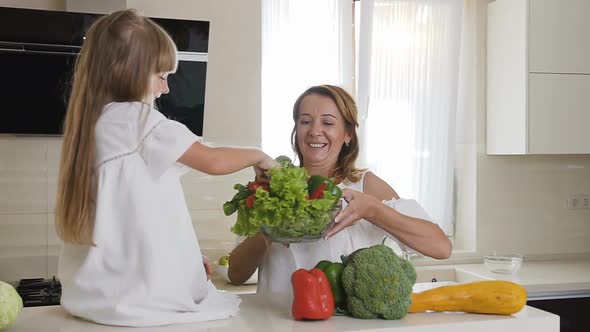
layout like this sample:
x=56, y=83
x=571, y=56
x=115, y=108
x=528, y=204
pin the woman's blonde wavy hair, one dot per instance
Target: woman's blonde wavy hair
x=120, y=54
x=345, y=169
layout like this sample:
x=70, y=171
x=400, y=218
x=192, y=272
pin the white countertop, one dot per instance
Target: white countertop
x=223, y=285
x=543, y=279
x=258, y=313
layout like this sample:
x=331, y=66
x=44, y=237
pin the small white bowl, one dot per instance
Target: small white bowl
x=506, y=264
x=221, y=271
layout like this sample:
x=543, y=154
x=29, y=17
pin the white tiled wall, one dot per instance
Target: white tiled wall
x=521, y=204
x=23, y=205
x=205, y=195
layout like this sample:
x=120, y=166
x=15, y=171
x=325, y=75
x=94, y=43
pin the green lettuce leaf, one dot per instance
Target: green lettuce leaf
x=287, y=208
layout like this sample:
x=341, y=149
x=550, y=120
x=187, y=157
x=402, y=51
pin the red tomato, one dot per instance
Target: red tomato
x=250, y=201
x=252, y=186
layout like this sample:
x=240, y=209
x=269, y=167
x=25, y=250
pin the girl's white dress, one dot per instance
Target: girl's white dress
x=274, y=275
x=146, y=267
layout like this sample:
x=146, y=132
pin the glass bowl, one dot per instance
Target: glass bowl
x=277, y=234
x=503, y=263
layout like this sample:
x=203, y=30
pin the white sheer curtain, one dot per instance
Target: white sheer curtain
x=304, y=43
x=407, y=92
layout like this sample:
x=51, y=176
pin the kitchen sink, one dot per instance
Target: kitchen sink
x=428, y=277
x=444, y=273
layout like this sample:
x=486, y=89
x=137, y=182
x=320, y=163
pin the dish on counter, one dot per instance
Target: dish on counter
x=503, y=263
x=221, y=271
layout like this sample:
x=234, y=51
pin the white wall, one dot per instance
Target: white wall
x=521, y=200
x=35, y=4
x=28, y=166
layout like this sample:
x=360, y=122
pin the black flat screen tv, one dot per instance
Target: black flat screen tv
x=37, y=66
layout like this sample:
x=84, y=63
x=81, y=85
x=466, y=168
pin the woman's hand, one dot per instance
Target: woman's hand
x=247, y=257
x=208, y=266
x=360, y=206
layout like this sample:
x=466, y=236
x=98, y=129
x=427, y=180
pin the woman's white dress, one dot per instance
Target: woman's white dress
x=274, y=274
x=146, y=268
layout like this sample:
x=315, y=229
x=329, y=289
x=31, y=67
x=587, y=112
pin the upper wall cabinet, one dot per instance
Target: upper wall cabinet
x=559, y=40
x=538, y=77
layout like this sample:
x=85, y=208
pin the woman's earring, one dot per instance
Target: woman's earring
x=347, y=144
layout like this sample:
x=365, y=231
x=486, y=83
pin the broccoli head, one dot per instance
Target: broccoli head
x=284, y=161
x=378, y=283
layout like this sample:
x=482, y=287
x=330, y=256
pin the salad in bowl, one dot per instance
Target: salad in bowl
x=292, y=207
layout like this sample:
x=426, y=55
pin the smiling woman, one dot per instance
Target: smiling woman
x=325, y=141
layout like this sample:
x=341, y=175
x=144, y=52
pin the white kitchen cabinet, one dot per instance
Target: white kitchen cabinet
x=558, y=36
x=538, y=77
x=560, y=122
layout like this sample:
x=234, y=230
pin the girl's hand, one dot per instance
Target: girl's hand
x=261, y=168
x=360, y=206
x=208, y=266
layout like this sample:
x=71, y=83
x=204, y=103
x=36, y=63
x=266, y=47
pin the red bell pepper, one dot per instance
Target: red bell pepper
x=312, y=295
x=319, y=192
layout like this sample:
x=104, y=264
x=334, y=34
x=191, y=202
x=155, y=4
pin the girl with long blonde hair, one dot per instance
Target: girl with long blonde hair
x=130, y=254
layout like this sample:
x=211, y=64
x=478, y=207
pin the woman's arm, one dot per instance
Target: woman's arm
x=418, y=234
x=246, y=258
x=225, y=160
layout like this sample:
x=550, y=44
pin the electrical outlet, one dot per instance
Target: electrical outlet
x=573, y=202
x=578, y=201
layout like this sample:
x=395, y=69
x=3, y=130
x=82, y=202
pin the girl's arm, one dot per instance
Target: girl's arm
x=225, y=160
x=246, y=258
x=208, y=266
x=418, y=234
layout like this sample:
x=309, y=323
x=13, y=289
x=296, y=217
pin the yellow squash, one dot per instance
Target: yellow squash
x=483, y=297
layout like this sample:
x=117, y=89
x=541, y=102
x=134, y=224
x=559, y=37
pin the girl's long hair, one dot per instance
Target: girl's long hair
x=345, y=168
x=120, y=54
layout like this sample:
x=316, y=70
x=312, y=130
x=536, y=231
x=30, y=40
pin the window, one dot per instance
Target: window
x=407, y=82
x=407, y=91
x=304, y=43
